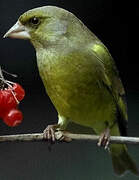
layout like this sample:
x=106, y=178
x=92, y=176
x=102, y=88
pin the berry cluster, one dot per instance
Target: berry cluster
x=9, y=100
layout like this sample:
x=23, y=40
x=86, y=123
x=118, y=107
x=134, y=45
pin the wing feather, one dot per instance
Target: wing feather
x=113, y=83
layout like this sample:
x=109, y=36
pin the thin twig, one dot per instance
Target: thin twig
x=59, y=134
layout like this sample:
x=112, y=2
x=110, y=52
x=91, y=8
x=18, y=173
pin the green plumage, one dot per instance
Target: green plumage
x=80, y=76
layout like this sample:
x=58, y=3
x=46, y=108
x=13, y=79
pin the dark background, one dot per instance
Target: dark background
x=111, y=21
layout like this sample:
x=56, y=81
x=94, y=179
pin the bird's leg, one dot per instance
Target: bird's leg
x=104, y=139
x=49, y=133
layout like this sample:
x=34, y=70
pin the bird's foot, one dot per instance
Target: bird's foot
x=104, y=139
x=50, y=134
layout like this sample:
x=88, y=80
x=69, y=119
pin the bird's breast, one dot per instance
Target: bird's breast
x=73, y=87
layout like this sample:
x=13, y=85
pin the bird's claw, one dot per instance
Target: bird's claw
x=104, y=139
x=49, y=133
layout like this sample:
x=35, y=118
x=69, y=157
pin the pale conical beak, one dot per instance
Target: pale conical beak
x=17, y=31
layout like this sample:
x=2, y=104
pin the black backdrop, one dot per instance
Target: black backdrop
x=111, y=22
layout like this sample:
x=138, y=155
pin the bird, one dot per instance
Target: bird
x=80, y=77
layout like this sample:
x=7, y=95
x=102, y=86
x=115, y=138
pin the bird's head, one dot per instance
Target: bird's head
x=42, y=26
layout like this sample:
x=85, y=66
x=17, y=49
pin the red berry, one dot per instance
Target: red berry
x=2, y=113
x=19, y=91
x=13, y=117
x=2, y=110
x=7, y=101
x=1, y=99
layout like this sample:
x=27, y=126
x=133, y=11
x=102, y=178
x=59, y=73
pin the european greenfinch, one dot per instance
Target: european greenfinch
x=80, y=77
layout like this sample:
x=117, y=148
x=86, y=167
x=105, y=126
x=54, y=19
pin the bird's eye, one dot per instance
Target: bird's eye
x=34, y=21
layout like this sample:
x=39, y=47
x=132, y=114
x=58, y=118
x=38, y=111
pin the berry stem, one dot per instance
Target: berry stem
x=14, y=75
x=1, y=75
x=14, y=96
x=2, y=80
x=8, y=83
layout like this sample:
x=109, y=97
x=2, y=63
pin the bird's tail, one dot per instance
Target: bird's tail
x=121, y=160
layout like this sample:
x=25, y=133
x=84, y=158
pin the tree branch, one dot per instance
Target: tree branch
x=60, y=134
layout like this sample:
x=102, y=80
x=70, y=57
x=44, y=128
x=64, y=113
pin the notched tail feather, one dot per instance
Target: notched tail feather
x=122, y=162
